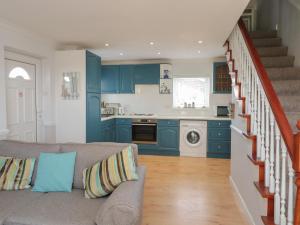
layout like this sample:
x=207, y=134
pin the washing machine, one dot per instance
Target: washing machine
x=193, y=138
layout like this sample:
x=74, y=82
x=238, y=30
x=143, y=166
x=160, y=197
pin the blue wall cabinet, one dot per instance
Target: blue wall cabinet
x=123, y=131
x=110, y=79
x=126, y=81
x=93, y=73
x=93, y=117
x=219, y=139
x=147, y=74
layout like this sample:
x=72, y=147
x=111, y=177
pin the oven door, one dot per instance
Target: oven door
x=144, y=133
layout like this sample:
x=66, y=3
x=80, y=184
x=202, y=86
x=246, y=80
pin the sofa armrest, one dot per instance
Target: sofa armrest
x=124, y=206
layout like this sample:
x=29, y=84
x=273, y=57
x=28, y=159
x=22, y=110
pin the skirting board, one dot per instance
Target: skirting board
x=242, y=203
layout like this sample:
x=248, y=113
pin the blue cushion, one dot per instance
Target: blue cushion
x=55, y=172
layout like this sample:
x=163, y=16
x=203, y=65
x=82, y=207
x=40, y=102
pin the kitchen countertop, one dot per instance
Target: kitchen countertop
x=170, y=117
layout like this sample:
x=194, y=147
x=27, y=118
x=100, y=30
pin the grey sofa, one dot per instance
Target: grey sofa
x=122, y=207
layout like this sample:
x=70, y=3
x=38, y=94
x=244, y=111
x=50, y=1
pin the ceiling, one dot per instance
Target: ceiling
x=175, y=26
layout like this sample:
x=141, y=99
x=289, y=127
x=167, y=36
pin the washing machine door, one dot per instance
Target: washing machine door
x=193, y=137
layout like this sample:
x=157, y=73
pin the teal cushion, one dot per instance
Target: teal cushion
x=55, y=172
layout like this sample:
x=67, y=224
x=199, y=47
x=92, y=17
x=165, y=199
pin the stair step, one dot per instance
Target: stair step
x=284, y=73
x=293, y=117
x=279, y=61
x=266, y=42
x=263, y=34
x=290, y=103
x=264, y=191
x=267, y=220
x=272, y=51
x=287, y=87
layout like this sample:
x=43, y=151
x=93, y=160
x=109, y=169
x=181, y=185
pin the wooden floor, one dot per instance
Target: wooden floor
x=189, y=191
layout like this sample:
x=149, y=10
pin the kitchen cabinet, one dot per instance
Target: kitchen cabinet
x=93, y=97
x=147, y=74
x=167, y=140
x=108, y=131
x=168, y=135
x=93, y=73
x=126, y=81
x=219, y=139
x=110, y=79
x=93, y=115
x=123, y=131
x=221, y=78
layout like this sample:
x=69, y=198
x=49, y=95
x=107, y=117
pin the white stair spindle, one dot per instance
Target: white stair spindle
x=267, y=145
x=283, y=186
x=262, y=127
x=291, y=175
x=272, y=154
x=277, y=177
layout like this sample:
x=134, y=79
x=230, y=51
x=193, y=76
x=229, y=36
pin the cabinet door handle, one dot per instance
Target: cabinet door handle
x=219, y=134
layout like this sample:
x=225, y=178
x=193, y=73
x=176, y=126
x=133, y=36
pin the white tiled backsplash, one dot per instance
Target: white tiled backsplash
x=148, y=100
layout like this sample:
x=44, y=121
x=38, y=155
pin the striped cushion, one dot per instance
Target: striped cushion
x=104, y=177
x=15, y=174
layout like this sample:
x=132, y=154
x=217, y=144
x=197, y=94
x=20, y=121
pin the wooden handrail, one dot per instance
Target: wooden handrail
x=282, y=121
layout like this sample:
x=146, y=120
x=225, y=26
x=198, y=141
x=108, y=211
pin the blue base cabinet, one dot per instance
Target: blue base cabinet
x=167, y=140
x=108, y=131
x=123, y=131
x=219, y=139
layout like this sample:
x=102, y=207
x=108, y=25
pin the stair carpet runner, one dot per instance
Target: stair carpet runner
x=285, y=77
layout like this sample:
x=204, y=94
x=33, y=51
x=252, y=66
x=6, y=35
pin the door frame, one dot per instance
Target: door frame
x=19, y=57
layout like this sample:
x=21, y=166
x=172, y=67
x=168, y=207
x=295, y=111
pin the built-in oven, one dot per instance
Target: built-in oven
x=144, y=131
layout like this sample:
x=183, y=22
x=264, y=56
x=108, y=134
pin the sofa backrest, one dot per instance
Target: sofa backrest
x=26, y=150
x=89, y=154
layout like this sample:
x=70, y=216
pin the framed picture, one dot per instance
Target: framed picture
x=70, y=85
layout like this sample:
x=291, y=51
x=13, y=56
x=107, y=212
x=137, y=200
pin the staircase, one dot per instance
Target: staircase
x=267, y=90
x=280, y=68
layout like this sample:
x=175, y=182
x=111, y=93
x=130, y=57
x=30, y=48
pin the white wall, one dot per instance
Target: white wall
x=18, y=40
x=243, y=174
x=70, y=114
x=148, y=100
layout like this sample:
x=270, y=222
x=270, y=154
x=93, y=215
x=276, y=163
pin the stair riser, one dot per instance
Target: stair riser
x=271, y=62
x=267, y=42
x=263, y=34
x=272, y=51
x=284, y=73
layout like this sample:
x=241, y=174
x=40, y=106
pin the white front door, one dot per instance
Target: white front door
x=21, y=100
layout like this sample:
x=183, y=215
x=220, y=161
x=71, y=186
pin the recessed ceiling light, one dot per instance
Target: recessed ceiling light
x=151, y=43
x=199, y=51
x=106, y=44
x=200, y=42
x=121, y=53
x=158, y=53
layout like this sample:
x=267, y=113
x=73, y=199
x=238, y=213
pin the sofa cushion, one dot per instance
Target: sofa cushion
x=55, y=172
x=13, y=201
x=15, y=174
x=58, y=208
x=26, y=150
x=89, y=154
x=104, y=177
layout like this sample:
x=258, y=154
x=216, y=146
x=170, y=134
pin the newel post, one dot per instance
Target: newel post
x=296, y=165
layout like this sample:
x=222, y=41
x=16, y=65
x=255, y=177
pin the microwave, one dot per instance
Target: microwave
x=222, y=111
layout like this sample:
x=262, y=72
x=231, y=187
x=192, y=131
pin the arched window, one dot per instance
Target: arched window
x=19, y=72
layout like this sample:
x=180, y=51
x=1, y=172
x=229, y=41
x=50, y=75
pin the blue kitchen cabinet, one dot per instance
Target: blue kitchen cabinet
x=219, y=139
x=126, y=79
x=147, y=74
x=168, y=136
x=93, y=73
x=123, y=131
x=93, y=117
x=167, y=140
x=110, y=79
x=108, y=131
